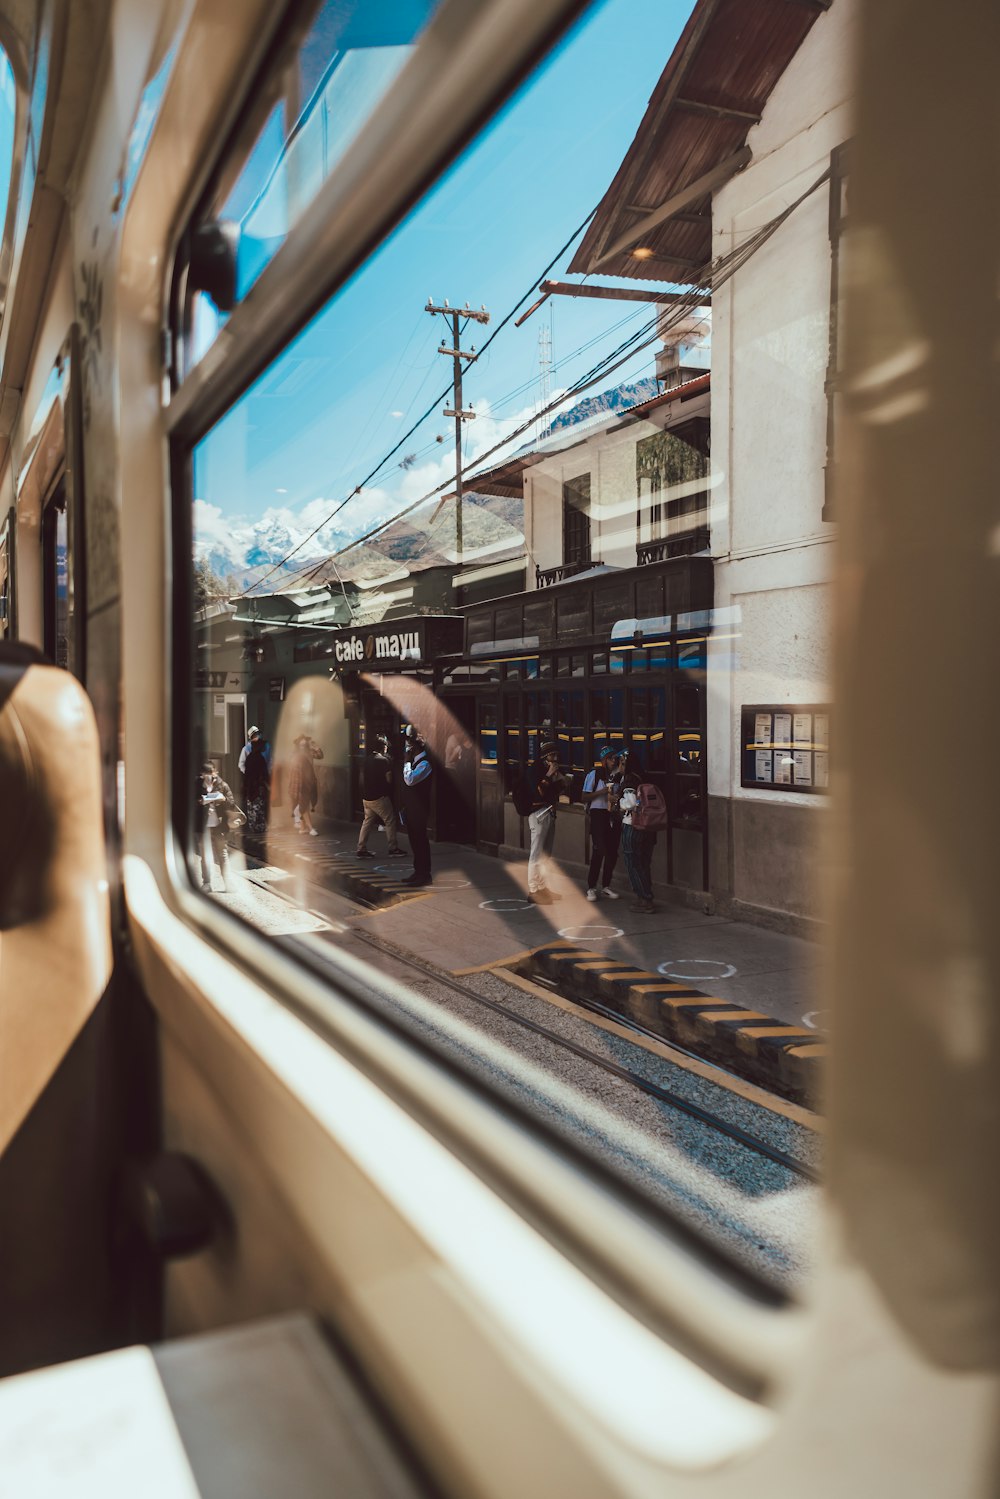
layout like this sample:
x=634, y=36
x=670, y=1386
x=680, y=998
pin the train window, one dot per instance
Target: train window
x=366, y=682
x=338, y=59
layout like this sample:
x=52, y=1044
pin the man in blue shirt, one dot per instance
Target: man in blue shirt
x=418, y=780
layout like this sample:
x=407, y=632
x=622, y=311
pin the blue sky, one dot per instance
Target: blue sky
x=350, y=385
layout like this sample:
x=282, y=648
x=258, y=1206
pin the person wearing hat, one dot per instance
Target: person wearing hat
x=547, y=784
x=605, y=825
x=253, y=733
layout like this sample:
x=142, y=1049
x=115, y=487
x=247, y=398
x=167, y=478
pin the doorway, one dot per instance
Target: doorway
x=456, y=797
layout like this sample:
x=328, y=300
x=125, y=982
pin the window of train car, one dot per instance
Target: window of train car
x=336, y=62
x=508, y=640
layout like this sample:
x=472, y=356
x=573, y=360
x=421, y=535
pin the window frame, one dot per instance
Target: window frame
x=334, y=996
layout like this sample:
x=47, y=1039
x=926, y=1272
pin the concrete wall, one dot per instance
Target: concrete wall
x=773, y=549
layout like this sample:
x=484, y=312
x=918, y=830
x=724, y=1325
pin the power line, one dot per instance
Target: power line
x=421, y=419
x=711, y=276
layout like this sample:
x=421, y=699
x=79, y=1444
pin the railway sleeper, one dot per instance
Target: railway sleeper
x=783, y=1058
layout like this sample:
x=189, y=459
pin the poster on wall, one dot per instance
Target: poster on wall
x=763, y=765
x=785, y=747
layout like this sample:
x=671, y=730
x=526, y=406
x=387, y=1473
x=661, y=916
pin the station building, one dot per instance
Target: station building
x=671, y=588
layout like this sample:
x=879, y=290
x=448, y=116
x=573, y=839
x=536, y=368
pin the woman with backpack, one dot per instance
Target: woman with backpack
x=638, y=841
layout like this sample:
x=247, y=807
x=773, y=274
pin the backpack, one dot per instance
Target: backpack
x=650, y=816
x=523, y=795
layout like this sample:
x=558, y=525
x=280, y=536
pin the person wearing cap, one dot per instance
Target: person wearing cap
x=253, y=733
x=547, y=785
x=418, y=780
x=605, y=825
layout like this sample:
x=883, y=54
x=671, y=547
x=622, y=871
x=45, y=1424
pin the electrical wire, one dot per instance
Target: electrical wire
x=444, y=394
x=713, y=275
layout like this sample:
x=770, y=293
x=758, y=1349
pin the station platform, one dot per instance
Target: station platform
x=746, y=998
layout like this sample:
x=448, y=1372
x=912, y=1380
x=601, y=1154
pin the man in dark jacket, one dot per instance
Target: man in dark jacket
x=418, y=781
x=376, y=798
x=213, y=802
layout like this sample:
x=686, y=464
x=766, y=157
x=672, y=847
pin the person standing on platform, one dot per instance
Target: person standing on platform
x=637, y=843
x=303, y=788
x=418, y=780
x=547, y=785
x=214, y=801
x=605, y=826
x=256, y=790
x=376, y=798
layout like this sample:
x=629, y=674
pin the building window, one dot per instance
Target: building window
x=671, y=469
x=576, y=522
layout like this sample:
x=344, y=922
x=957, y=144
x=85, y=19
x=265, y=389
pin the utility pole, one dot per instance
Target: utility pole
x=544, y=379
x=457, y=354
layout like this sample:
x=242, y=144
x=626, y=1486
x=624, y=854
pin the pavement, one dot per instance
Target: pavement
x=476, y=916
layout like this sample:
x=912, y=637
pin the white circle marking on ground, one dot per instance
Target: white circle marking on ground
x=810, y=1019
x=506, y=905
x=708, y=968
x=591, y=933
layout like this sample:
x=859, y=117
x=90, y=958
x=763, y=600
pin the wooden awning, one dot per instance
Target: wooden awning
x=693, y=138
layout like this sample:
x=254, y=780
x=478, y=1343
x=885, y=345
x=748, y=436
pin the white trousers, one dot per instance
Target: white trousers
x=542, y=826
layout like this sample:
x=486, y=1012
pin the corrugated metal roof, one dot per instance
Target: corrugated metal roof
x=714, y=87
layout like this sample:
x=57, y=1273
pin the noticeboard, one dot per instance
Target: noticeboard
x=785, y=747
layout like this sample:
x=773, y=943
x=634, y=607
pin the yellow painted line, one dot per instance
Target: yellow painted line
x=517, y=957
x=634, y=973
x=388, y=910
x=777, y=1030
x=739, y=1015
x=793, y=1111
x=695, y=1002
x=606, y=965
x=673, y=989
x=816, y=1049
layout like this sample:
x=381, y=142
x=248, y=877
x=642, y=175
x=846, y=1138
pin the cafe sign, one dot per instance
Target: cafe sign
x=370, y=647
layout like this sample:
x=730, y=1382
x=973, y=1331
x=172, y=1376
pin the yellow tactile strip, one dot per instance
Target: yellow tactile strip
x=786, y=1059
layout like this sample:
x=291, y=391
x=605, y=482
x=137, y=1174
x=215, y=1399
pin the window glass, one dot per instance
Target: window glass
x=339, y=61
x=360, y=620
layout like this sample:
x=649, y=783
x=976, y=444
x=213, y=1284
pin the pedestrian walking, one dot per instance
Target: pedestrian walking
x=213, y=802
x=376, y=799
x=547, y=784
x=418, y=780
x=605, y=825
x=637, y=844
x=256, y=789
x=303, y=788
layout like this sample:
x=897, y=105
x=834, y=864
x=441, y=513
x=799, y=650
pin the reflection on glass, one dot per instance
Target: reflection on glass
x=362, y=683
x=340, y=70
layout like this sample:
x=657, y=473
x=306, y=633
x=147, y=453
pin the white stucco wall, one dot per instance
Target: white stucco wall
x=770, y=346
x=609, y=459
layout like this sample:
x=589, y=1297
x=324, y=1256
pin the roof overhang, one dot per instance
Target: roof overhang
x=692, y=140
